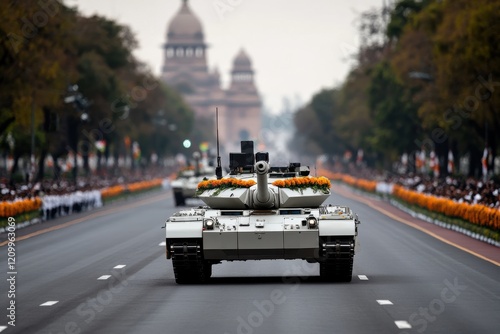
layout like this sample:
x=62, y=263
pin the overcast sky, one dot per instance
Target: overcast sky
x=297, y=47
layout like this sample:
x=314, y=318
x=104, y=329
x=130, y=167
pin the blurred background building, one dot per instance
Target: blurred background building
x=185, y=68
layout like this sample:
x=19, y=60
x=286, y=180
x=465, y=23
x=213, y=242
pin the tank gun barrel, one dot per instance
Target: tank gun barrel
x=263, y=197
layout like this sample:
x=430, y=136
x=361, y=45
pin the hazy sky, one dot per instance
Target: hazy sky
x=297, y=47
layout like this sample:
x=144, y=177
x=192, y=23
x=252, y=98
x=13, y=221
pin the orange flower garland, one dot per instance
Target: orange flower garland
x=223, y=184
x=298, y=183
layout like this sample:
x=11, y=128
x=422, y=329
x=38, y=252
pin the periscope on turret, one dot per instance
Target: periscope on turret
x=259, y=212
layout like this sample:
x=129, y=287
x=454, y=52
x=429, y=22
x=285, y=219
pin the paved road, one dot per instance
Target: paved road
x=108, y=274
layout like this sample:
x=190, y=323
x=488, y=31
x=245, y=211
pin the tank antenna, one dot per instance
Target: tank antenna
x=218, y=169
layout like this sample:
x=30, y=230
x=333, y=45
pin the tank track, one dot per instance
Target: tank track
x=188, y=263
x=338, y=256
x=179, y=197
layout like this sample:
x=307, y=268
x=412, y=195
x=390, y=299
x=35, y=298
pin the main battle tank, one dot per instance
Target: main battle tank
x=185, y=184
x=260, y=212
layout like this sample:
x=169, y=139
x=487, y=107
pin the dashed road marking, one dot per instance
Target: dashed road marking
x=363, y=277
x=120, y=266
x=384, y=302
x=50, y=303
x=164, y=243
x=104, y=277
x=2, y=328
x=402, y=324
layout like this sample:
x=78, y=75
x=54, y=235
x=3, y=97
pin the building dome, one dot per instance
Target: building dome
x=185, y=28
x=242, y=63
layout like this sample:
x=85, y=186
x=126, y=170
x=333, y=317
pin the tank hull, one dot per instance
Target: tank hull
x=266, y=234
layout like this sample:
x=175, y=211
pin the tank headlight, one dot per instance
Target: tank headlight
x=209, y=224
x=312, y=222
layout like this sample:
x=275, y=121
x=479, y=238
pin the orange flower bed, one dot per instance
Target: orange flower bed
x=477, y=214
x=480, y=215
x=112, y=191
x=363, y=184
x=143, y=185
x=133, y=187
x=11, y=209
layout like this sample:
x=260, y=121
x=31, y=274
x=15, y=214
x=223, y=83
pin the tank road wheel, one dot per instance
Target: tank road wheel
x=179, y=197
x=338, y=258
x=188, y=263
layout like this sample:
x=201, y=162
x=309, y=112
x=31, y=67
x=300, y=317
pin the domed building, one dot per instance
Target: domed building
x=185, y=68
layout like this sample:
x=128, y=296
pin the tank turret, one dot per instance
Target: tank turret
x=262, y=187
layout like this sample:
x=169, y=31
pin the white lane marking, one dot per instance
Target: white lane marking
x=50, y=303
x=104, y=277
x=120, y=266
x=384, y=302
x=402, y=324
x=2, y=328
x=363, y=277
x=164, y=243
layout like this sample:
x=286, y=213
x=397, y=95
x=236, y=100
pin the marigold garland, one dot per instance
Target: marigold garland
x=299, y=183
x=227, y=183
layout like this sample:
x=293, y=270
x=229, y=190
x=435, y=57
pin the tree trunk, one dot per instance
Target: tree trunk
x=86, y=166
x=14, y=168
x=475, y=169
x=442, y=156
x=57, y=169
x=41, y=166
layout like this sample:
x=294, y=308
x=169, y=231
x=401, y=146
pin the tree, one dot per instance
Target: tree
x=47, y=47
x=455, y=43
x=33, y=68
x=395, y=122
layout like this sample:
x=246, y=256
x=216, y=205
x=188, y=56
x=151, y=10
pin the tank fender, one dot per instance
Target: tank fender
x=184, y=229
x=337, y=227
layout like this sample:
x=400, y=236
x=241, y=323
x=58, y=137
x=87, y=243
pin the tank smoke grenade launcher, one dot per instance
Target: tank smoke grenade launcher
x=259, y=212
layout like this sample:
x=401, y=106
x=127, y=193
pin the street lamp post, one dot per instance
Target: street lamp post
x=81, y=104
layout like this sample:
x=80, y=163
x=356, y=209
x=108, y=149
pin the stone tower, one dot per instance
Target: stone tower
x=243, y=105
x=185, y=69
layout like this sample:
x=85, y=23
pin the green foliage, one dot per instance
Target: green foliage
x=390, y=104
x=354, y=123
x=431, y=72
x=402, y=14
x=43, y=49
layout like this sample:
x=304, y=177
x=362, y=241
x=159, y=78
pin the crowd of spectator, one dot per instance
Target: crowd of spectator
x=64, y=186
x=460, y=188
x=457, y=187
